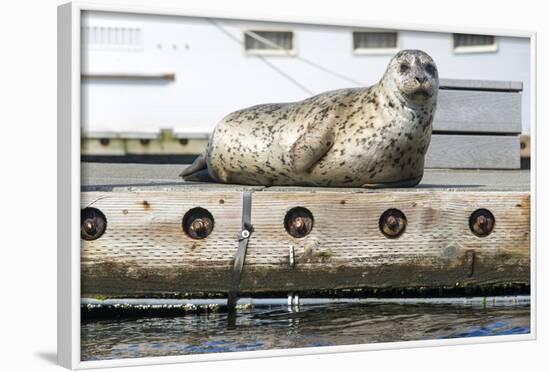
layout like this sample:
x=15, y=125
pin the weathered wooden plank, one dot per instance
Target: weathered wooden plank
x=161, y=146
x=144, y=247
x=478, y=111
x=164, y=177
x=471, y=151
x=480, y=84
x=102, y=146
x=146, y=144
x=145, y=252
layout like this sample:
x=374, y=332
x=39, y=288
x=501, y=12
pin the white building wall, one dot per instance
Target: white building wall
x=215, y=76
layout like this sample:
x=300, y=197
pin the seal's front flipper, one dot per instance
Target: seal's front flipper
x=197, y=165
x=200, y=176
x=311, y=146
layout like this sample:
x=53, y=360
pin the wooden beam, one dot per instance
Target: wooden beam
x=164, y=177
x=496, y=85
x=478, y=112
x=145, y=252
x=146, y=145
x=475, y=152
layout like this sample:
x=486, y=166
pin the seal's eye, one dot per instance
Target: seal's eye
x=404, y=67
x=430, y=69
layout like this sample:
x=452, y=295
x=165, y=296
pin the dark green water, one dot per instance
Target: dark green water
x=278, y=327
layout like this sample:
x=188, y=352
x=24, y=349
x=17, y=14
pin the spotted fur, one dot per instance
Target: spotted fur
x=376, y=136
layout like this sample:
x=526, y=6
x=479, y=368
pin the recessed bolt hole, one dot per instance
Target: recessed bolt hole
x=183, y=141
x=298, y=222
x=145, y=141
x=104, y=141
x=482, y=222
x=393, y=223
x=198, y=223
x=92, y=223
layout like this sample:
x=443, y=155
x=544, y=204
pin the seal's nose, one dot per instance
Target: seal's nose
x=421, y=79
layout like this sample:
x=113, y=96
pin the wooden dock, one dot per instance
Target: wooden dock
x=457, y=229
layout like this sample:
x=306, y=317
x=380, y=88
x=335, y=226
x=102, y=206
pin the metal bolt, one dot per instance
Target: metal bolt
x=199, y=227
x=482, y=222
x=393, y=223
x=298, y=222
x=198, y=223
x=89, y=227
x=92, y=223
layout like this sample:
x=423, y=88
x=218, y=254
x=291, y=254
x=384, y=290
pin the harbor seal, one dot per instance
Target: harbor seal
x=369, y=137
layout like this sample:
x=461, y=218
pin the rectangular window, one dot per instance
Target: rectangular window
x=374, y=42
x=269, y=42
x=468, y=43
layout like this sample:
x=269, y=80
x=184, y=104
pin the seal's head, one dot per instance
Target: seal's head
x=413, y=75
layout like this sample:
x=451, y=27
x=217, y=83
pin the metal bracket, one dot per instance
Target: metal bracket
x=243, y=239
x=291, y=259
x=470, y=261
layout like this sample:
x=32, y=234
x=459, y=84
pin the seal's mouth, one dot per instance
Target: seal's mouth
x=420, y=94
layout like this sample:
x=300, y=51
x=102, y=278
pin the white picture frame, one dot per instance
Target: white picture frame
x=69, y=132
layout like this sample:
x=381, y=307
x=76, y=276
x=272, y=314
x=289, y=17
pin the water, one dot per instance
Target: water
x=278, y=327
